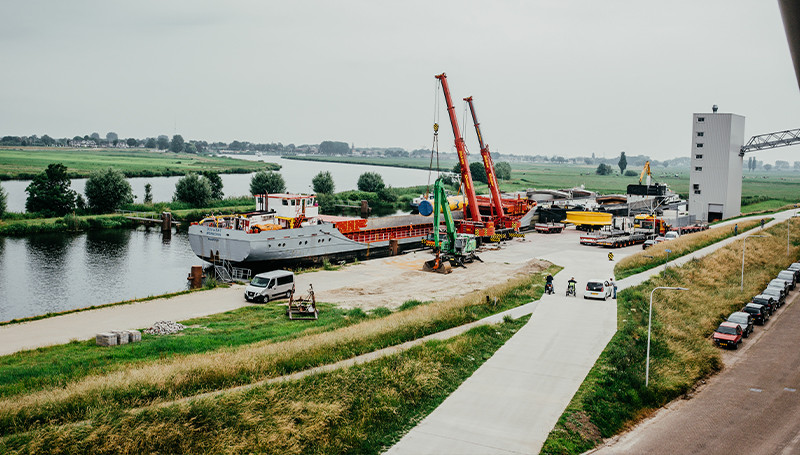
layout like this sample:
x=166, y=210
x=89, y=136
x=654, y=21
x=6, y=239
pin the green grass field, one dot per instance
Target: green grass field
x=24, y=162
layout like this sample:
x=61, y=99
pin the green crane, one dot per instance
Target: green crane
x=454, y=248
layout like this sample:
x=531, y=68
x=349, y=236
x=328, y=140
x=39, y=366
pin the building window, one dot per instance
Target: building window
x=701, y=119
x=699, y=145
x=698, y=157
x=700, y=134
x=696, y=186
x=698, y=169
x=696, y=191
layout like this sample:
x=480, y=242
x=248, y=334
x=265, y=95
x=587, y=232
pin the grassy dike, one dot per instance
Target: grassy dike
x=363, y=409
x=613, y=397
x=148, y=374
x=686, y=244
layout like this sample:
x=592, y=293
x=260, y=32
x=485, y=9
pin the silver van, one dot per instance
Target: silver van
x=269, y=286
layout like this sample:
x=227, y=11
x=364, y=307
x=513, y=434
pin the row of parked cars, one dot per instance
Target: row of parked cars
x=740, y=323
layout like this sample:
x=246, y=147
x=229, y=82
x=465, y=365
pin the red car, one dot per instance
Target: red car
x=728, y=334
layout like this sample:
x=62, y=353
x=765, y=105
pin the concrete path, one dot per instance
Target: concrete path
x=511, y=403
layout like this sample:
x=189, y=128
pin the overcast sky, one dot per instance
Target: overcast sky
x=556, y=77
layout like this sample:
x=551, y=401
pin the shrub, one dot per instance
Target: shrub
x=604, y=169
x=503, y=170
x=267, y=182
x=3, y=199
x=49, y=192
x=630, y=173
x=215, y=182
x=107, y=190
x=193, y=190
x=323, y=183
x=370, y=182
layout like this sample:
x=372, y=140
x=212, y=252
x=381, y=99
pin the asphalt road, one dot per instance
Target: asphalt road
x=752, y=407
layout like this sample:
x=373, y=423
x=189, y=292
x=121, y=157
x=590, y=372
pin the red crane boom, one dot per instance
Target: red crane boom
x=488, y=164
x=466, y=175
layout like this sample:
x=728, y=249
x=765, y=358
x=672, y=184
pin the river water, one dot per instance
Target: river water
x=56, y=272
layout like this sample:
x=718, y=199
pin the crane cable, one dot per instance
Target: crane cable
x=435, y=145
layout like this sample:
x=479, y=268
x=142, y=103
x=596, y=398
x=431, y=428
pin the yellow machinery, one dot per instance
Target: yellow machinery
x=588, y=221
x=645, y=171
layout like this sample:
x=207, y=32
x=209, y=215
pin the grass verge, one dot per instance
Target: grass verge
x=177, y=376
x=657, y=255
x=613, y=396
x=358, y=410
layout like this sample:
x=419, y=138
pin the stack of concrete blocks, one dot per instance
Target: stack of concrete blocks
x=118, y=337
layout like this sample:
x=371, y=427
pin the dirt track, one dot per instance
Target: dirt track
x=410, y=282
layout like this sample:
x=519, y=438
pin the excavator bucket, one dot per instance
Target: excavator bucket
x=437, y=265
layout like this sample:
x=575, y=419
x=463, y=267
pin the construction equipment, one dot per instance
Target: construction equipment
x=455, y=249
x=652, y=224
x=304, y=308
x=645, y=171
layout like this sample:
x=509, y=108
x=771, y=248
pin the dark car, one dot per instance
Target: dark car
x=789, y=276
x=728, y=335
x=777, y=293
x=796, y=269
x=782, y=282
x=745, y=321
x=766, y=300
x=760, y=313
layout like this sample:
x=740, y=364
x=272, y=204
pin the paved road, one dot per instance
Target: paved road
x=752, y=407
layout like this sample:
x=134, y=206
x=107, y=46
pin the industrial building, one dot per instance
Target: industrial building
x=715, y=190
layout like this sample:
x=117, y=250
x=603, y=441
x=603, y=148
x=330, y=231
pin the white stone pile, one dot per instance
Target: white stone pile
x=117, y=337
x=165, y=328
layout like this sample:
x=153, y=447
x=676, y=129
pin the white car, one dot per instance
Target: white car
x=671, y=235
x=598, y=289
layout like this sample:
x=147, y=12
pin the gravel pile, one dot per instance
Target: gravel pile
x=165, y=328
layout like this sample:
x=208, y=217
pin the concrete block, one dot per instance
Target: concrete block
x=106, y=339
x=122, y=336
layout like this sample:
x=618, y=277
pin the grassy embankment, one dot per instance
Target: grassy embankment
x=686, y=244
x=25, y=162
x=104, y=387
x=358, y=410
x=613, y=396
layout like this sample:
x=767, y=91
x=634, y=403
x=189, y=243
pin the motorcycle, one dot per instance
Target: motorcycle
x=571, y=289
x=548, y=288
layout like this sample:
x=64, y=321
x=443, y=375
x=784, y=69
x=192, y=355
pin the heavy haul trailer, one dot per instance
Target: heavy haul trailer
x=623, y=240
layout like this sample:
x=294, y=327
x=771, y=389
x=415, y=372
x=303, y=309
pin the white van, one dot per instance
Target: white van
x=269, y=286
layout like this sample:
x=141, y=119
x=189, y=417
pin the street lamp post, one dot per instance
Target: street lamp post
x=665, y=264
x=744, y=244
x=649, y=324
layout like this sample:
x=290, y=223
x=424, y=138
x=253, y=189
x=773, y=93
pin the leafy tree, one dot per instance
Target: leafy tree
x=193, y=190
x=370, y=182
x=48, y=141
x=623, y=163
x=478, y=172
x=334, y=148
x=95, y=136
x=148, y=193
x=106, y=190
x=150, y=143
x=215, y=182
x=131, y=142
x=112, y=136
x=502, y=170
x=797, y=165
x=267, y=182
x=189, y=148
x=323, y=183
x=780, y=164
x=49, y=192
x=162, y=142
x=588, y=160
x=177, y=144
x=767, y=167
x=604, y=169
x=3, y=199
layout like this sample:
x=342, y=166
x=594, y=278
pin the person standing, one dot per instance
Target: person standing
x=762, y=223
x=613, y=286
x=736, y=229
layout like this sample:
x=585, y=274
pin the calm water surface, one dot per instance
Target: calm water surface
x=57, y=272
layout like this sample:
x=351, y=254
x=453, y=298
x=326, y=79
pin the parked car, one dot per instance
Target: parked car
x=745, y=321
x=598, y=289
x=760, y=312
x=766, y=300
x=777, y=293
x=782, y=282
x=671, y=235
x=796, y=269
x=648, y=243
x=269, y=285
x=789, y=276
x=728, y=335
